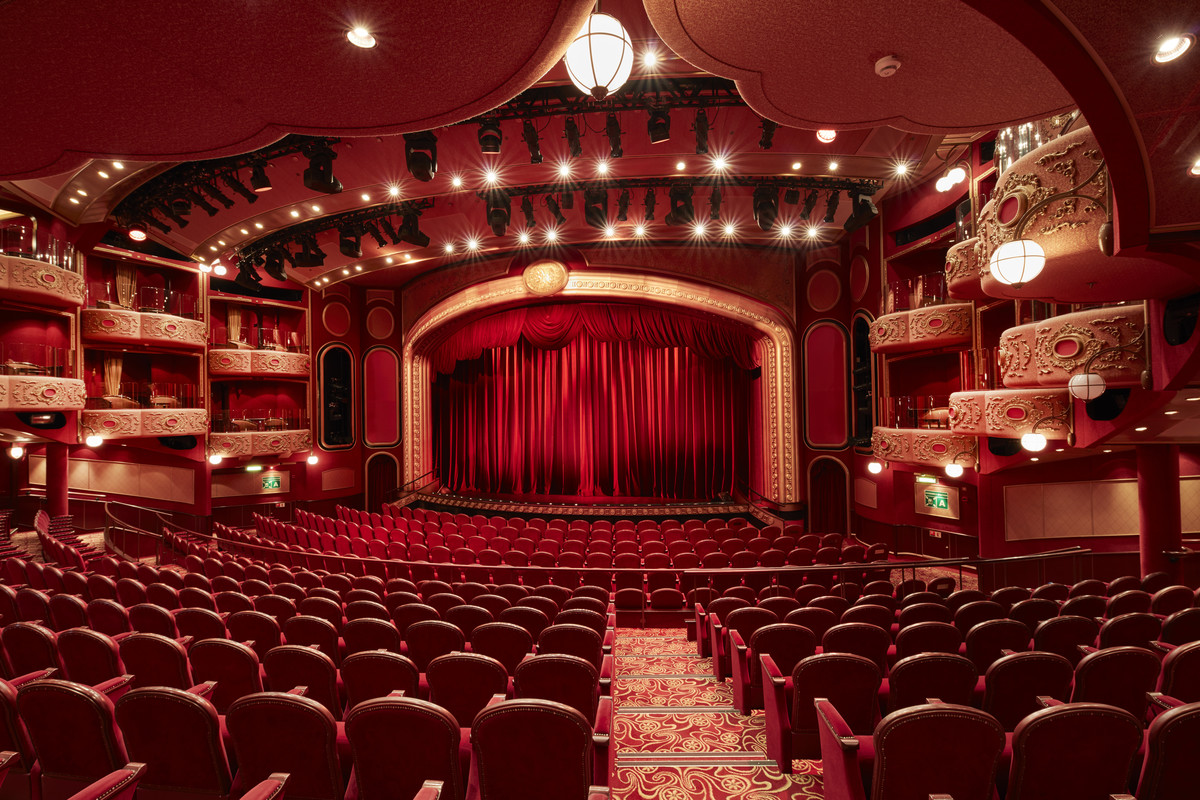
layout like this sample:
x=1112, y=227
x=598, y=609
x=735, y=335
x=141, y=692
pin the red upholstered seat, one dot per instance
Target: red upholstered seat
x=257, y=627
x=1180, y=676
x=463, y=683
x=860, y=639
x=531, y=619
x=916, y=678
x=706, y=614
x=30, y=647
x=200, y=623
x=987, y=640
x=503, y=641
x=1181, y=627
x=67, y=611
x=817, y=620
x=879, y=616
x=407, y=614
x=1089, y=605
x=150, y=618
x=108, y=616
x=918, y=752
x=155, y=660
x=17, y=783
x=306, y=630
x=276, y=605
x=374, y=674
x=1010, y=596
x=743, y=620
x=89, y=657
x=573, y=682
x=785, y=643
x=926, y=637
x=1165, y=601
x=178, y=736
x=1169, y=768
x=1063, y=635
x=291, y=665
x=1033, y=612
x=1117, y=676
x=399, y=743
x=429, y=639
x=276, y=732
x=850, y=682
x=94, y=746
x=1135, y=628
x=1013, y=683
x=1102, y=743
x=505, y=738
x=369, y=633
x=233, y=666
x=576, y=640
x=971, y=614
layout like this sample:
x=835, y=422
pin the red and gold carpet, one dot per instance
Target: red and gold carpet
x=677, y=735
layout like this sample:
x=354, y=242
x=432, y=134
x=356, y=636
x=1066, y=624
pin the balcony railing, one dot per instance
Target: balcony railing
x=148, y=395
x=917, y=411
x=262, y=339
x=910, y=294
x=17, y=238
x=20, y=358
x=147, y=299
x=249, y=420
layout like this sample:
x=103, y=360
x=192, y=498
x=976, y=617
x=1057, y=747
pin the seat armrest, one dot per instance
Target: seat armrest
x=269, y=789
x=941, y=797
x=250, y=643
x=496, y=698
x=114, y=687
x=118, y=637
x=599, y=793
x=186, y=641
x=934, y=701
x=1163, y=701
x=1121, y=797
x=1085, y=649
x=604, y=716
x=430, y=790
x=299, y=691
x=6, y=759
x=118, y=784
x=736, y=641
x=396, y=693
x=203, y=689
x=1162, y=647
x=1047, y=702
x=1004, y=651
x=771, y=672
x=835, y=724
x=30, y=677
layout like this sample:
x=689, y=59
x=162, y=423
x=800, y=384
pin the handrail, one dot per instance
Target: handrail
x=394, y=494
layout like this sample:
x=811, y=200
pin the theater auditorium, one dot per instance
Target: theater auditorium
x=599, y=400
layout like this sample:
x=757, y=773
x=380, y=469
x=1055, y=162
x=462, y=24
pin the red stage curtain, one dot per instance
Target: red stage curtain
x=589, y=400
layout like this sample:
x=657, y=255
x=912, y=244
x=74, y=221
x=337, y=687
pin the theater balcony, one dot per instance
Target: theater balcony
x=145, y=409
x=919, y=433
x=32, y=378
x=245, y=433
x=157, y=318
x=39, y=270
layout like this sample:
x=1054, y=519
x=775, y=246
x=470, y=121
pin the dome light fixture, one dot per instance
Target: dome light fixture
x=94, y=441
x=312, y=458
x=215, y=458
x=826, y=136
x=1173, y=47
x=360, y=37
x=954, y=470
x=874, y=467
x=1017, y=262
x=600, y=58
x=1033, y=442
x=16, y=451
x=1087, y=385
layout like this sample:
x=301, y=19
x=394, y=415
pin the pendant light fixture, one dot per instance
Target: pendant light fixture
x=600, y=57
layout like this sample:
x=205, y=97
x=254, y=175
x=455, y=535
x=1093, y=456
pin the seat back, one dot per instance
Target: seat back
x=849, y=681
x=532, y=748
x=73, y=732
x=200, y=623
x=1102, y=743
x=67, y=611
x=369, y=633
x=573, y=640
x=503, y=641
x=785, y=643
x=879, y=616
x=375, y=673
x=155, y=660
x=30, y=647
x=463, y=683
x=562, y=679
x=1169, y=769
x=748, y=620
x=917, y=678
x=468, y=617
x=1033, y=612
x=233, y=665
x=399, y=743
x=986, y=640
x=257, y=627
x=432, y=638
x=1117, y=676
x=177, y=735
x=1013, y=683
x=276, y=732
x=860, y=639
x=914, y=747
x=817, y=620
x=971, y=614
x=291, y=665
x=923, y=612
x=151, y=618
x=1135, y=628
x=306, y=630
x=88, y=657
x=1181, y=627
x=1063, y=635
x=927, y=637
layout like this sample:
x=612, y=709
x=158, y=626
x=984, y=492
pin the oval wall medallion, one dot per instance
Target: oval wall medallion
x=824, y=290
x=380, y=323
x=336, y=318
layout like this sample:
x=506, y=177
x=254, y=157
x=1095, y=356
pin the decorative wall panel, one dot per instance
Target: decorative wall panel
x=37, y=282
x=931, y=328
x=381, y=398
x=1048, y=353
x=826, y=386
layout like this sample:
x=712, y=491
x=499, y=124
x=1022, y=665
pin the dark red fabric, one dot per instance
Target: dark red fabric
x=592, y=400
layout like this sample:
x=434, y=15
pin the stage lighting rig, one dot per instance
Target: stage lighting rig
x=767, y=140
x=195, y=198
x=259, y=181
x=527, y=210
x=532, y=141
x=273, y=264
x=420, y=155
x=831, y=205
x=319, y=175
x=714, y=203
x=499, y=210
x=623, y=205
x=571, y=132
x=373, y=229
x=595, y=207
x=766, y=206
x=310, y=255
x=247, y=276
x=490, y=136
x=701, y=129
x=350, y=241
x=650, y=202
x=659, y=125
x=682, y=212
x=791, y=196
x=863, y=210
x=410, y=231
x=810, y=202
x=612, y=129
x=233, y=182
x=555, y=210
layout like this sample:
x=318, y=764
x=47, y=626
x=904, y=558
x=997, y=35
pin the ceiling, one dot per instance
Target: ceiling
x=149, y=90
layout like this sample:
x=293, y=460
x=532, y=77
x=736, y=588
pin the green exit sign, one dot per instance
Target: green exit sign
x=272, y=482
x=934, y=498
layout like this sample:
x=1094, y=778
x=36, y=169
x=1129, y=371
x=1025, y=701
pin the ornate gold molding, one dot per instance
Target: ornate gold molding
x=38, y=393
x=776, y=349
x=39, y=282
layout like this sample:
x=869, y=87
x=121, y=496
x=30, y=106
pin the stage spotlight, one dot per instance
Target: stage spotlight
x=571, y=132
x=373, y=230
x=137, y=232
x=350, y=242
x=701, y=129
x=216, y=194
x=767, y=140
x=174, y=211
x=247, y=276
x=310, y=254
x=862, y=211
x=233, y=182
x=499, y=211
x=659, y=125
x=810, y=202
x=532, y=141
x=791, y=196
x=420, y=155
x=319, y=175
x=196, y=198
x=555, y=211
x=527, y=210
x=651, y=201
x=273, y=265
x=831, y=205
x=682, y=212
x=259, y=181
x=490, y=136
x=623, y=205
x=714, y=203
x=612, y=129
x=595, y=207
x=410, y=231
x=766, y=207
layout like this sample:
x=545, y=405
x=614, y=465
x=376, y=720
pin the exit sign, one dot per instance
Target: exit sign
x=936, y=500
x=272, y=482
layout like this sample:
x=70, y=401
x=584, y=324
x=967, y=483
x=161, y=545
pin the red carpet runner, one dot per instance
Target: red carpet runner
x=677, y=734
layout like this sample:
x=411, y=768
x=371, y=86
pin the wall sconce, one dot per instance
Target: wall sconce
x=874, y=467
x=954, y=469
x=1088, y=385
x=1036, y=442
x=953, y=177
x=16, y=451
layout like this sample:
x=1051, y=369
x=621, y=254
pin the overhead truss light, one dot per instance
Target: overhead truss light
x=767, y=140
x=623, y=206
x=527, y=210
x=350, y=242
x=555, y=210
x=766, y=207
x=319, y=175
x=810, y=202
x=571, y=133
x=595, y=208
x=420, y=155
x=490, y=136
x=682, y=212
x=612, y=129
x=714, y=203
x=530, y=134
x=831, y=205
x=700, y=127
x=650, y=202
x=862, y=211
x=499, y=210
x=659, y=125
x=259, y=181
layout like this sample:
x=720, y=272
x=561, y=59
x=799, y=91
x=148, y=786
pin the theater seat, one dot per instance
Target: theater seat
x=574, y=683
x=399, y=743
x=376, y=673
x=463, y=683
x=284, y=732
x=785, y=643
x=119, y=784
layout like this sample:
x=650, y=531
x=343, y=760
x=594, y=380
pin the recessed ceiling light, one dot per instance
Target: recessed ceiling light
x=1169, y=413
x=221, y=242
x=699, y=229
x=345, y=272
x=902, y=168
x=212, y=247
x=472, y=244
x=833, y=165
x=449, y=248
x=552, y=235
x=358, y=267
x=1195, y=170
x=295, y=213
x=680, y=166
x=258, y=225
x=394, y=190
x=649, y=58
x=1058, y=449
x=456, y=181
x=491, y=176
x=360, y=37
x=1035, y=458
x=720, y=162
x=1173, y=47
x=366, y=197
x=601, y=167
x=74, y=200
x=1193, y=399
x=813, y=231
x=826, y=136
x=785, y=231
x=564, y=169
x=639, y=230
x=118, y=165
x=245, y=232
x=610, y=230
x=389, y=259
x=219, y=269
x=408, y=256
x=1140, y=429
x=1108, y=451
x=81, y=192
x=102, y=174
x=316, y=209
x=796, y=165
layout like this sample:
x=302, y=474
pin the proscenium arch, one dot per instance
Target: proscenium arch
x=776, y=348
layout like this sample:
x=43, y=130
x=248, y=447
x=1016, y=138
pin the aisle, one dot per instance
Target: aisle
x=677, y=734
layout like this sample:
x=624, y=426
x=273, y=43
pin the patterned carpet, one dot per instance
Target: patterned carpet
x=677, y=735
